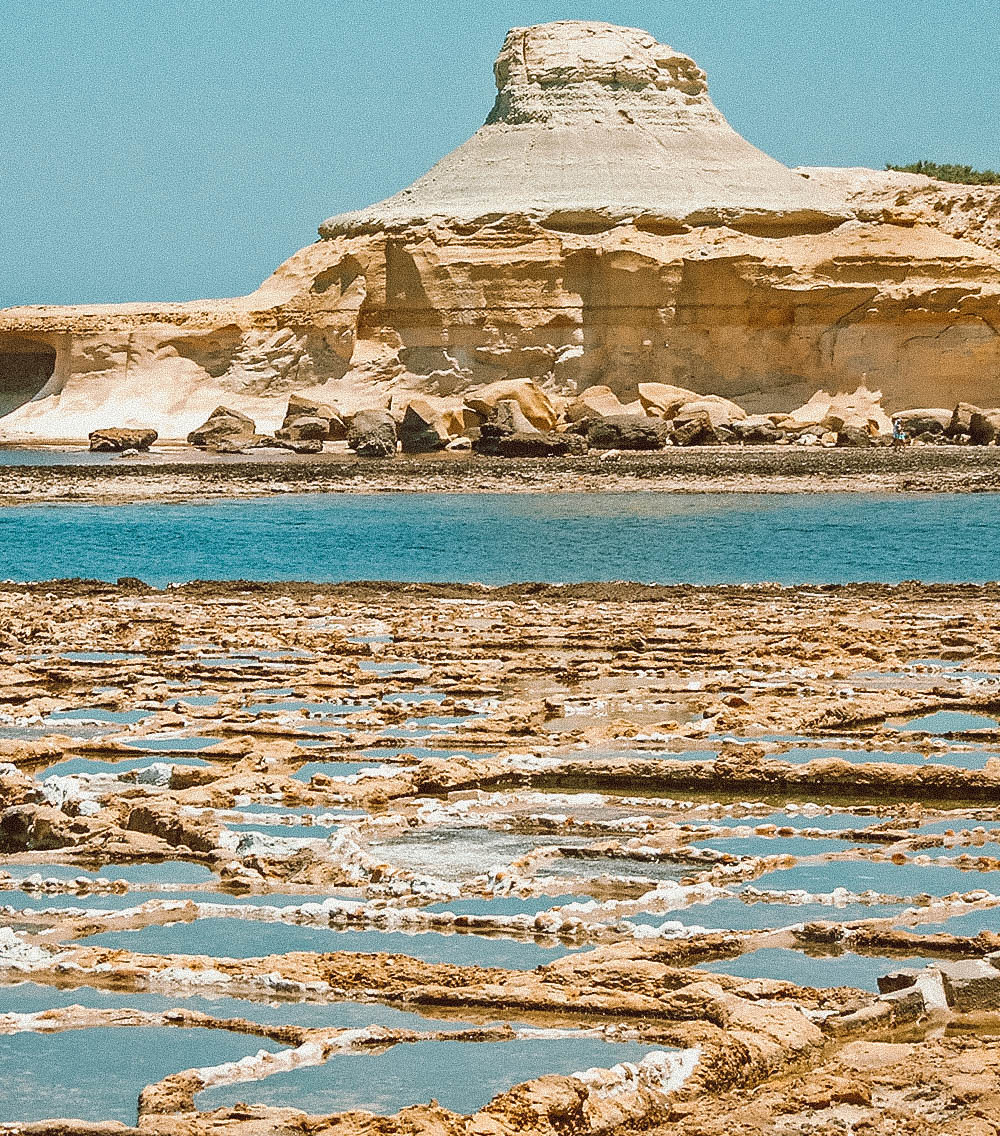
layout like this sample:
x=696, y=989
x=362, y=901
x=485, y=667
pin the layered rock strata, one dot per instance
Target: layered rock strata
x=606, y=226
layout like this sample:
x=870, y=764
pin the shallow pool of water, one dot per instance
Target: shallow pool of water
x=111, y=901
x=286, y=831
x=81, y=1074
x=832, y=822
x=167, y=872
x=948, y=722
x=736, y=915
x=101, y=656
x=462, y=1076
x=116, y=768
x=969, y=924
x=32, y=998
x=772, y=845
x=498, y=538
x=238, y=938
x=882, y=876
x=783, y=965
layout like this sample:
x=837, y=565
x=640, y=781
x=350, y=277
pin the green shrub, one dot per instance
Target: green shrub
x=963, y=175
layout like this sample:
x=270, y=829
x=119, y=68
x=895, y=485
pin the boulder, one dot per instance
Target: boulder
x=922, y=421
x=428, y=424
x=984, y=427
x=538, y=445
x=852, y=414
x=305, y=428
x=225, y=431
x=720, y=411
x=811, y=413
x=597, y=402
x=118, y=439
x=756, y=430
x=961, y=419
x=372, y=434
x=302, y=446
x=853, y=431
x=532, y=401
x=299, y=406
x=31, y=828
x=694, y=431
x=663, y=400
x=508, y=418
x=627, y=432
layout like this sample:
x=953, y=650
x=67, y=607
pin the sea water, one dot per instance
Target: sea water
x=496, y=538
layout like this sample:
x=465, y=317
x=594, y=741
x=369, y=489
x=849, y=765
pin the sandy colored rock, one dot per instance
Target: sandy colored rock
x=116, y=439
x=372, y=434
x=226, y=430
x=662, y=399
x=531, y=401
x=597, y=402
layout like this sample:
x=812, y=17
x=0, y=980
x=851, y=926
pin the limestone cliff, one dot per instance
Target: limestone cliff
x=605, y=226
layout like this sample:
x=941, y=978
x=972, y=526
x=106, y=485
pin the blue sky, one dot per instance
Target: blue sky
x=173, y=149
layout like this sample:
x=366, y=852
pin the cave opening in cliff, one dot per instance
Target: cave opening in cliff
x=26, y=365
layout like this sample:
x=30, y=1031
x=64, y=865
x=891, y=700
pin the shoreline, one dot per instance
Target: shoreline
x=175, y=478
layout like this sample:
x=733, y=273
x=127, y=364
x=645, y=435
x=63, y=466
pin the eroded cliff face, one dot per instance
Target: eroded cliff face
x=605, y=226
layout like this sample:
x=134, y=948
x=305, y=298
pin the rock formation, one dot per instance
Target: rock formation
x=605, y=227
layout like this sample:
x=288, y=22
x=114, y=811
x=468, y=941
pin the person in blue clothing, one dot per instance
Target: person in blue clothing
x=898, y=434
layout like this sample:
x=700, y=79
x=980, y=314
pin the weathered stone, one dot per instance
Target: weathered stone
x=429, y=424
x=961, y=419
x=627, y=432
x=756, y=429
x=596, y=402
x=984, y=427
x=299, y=406
x=224, y=430
x=720, y=411
x=693, y=431
x=539, y=445
x=372, y=434
x=531, y=400
x=507, y=418
x=303, y=446
x=663, y=400
x=118, y=439
x=915, y=423
x=971, y=985
x=305, y=428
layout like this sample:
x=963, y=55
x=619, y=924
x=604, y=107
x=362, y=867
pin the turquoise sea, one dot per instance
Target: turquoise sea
x=498, y=538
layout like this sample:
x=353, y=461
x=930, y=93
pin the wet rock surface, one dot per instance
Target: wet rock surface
x=601, y=811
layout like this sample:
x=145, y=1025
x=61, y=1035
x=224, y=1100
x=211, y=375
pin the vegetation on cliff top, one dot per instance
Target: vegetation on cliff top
x=963, y=175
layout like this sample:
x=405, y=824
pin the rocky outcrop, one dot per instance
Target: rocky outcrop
x=691, y=261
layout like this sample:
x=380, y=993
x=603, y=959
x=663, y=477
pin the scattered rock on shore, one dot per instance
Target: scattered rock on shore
x=372, y=434
x=225, y=431
x=118, y=439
